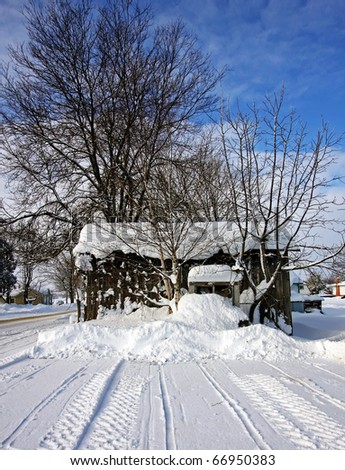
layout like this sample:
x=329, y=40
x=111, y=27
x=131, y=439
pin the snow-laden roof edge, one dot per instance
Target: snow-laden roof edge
x=197, y=241
x=212, y=273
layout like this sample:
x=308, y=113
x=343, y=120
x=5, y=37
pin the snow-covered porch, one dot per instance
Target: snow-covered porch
x=218, y=279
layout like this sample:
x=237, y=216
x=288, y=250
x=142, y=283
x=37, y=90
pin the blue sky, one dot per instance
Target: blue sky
x=264, y=42
x=268, y=42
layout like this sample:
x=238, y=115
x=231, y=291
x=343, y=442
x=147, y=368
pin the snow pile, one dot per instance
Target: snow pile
x=326, y=330
x=208, y=312
x=205, y=327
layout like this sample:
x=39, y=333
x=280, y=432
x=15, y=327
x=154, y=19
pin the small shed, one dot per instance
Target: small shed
x=301, y=298
x=124, y=261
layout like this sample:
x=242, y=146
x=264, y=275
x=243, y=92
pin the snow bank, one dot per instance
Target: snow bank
x=8, y=311
x=333, y=348
x=205, y=327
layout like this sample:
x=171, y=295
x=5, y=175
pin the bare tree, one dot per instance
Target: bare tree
x=337, y=268
x=198, y=179
x=60, y=272
x=315, y=281
x=180, y=203
x=34, y=244
x=90, y=102
x=179, y=197
x=277, y=184
x=26, y=246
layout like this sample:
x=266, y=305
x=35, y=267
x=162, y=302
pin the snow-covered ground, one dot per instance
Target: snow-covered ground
x=13, y=311
x=191, y=380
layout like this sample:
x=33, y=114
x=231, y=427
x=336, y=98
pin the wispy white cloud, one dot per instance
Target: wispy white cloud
x=267, y=42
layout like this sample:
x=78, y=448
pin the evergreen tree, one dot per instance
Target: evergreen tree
x=7, y=267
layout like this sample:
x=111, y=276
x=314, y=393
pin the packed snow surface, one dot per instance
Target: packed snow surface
x=191, y=380
x=204, y=327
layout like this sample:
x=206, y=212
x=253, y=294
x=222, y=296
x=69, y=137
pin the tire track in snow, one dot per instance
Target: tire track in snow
x=314, y=388
x=319, y=431
x=170, y=441
x=150, y=432
x=74, y=422
x=14, y=359
x=237, y=410
x=264, y=401
x=297, y=419
x=8, y=442
x=113, y=425
x=23, y=374
x=7, y=339
x=334, y=374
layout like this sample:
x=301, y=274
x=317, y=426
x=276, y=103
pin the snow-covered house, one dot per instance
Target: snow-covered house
x=337, y=289
x=133, y=261
x=34, y=297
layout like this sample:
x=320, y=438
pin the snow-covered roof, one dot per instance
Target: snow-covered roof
x=341, y=283
x=188, y=240
x=16, y=292
x=212, y=273
x=297, y=297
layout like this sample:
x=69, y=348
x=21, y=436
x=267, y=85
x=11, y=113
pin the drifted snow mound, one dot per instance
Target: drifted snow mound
x=208, y=311
x=205, y=327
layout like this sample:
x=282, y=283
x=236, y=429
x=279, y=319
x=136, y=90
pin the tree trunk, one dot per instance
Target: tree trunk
x=252, y=310
x=78, y=310
x=71, y=295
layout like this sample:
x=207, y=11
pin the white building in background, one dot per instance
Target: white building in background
x=337, y=289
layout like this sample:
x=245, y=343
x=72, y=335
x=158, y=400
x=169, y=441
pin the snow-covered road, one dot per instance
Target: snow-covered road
x=116, y=403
